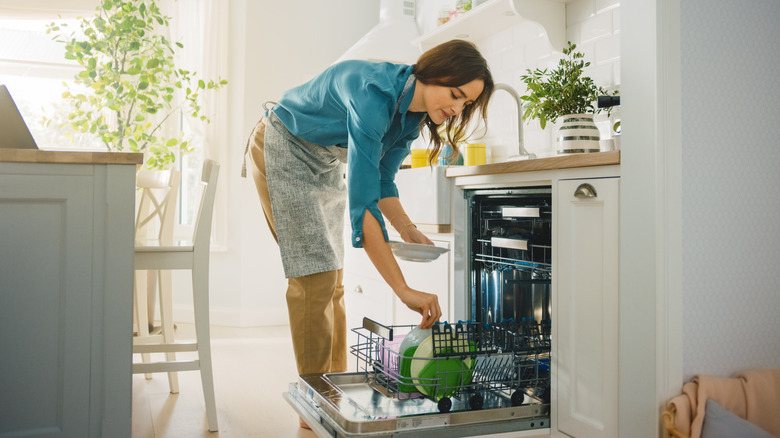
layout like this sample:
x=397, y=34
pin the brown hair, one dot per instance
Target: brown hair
x=452, y=64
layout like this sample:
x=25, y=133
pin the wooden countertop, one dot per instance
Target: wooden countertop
x=551, y=163
x=50, y=156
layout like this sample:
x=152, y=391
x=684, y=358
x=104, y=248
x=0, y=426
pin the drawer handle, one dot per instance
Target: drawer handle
x=358, y=289
x=585, y=191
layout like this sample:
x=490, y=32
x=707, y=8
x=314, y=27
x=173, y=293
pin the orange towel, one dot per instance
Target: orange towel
x=752, y=395
x=762, y=392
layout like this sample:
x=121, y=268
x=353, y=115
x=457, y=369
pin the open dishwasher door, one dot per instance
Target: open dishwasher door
x=503, y=393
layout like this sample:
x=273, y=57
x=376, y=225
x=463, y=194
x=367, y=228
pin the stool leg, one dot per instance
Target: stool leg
x=165, y=292
x=200, y=291
x=140, y=312
x=151, y=297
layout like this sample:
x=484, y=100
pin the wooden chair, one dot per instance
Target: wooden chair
x=154, y=223
x=194, y=256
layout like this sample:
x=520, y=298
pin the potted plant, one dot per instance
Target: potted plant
x=565, y=92
x=131, y=85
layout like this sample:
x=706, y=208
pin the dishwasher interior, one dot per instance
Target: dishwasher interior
x=510, y=263
x=510, y=259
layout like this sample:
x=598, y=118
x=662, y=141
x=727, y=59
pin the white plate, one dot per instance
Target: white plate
x=416, y=252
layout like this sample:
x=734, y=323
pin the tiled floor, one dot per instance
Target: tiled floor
x=252, y=368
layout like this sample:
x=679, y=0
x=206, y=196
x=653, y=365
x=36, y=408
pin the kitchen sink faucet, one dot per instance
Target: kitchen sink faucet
x=522, y=154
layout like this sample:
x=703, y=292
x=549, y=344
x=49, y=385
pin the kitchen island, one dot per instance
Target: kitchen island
x=66, y=284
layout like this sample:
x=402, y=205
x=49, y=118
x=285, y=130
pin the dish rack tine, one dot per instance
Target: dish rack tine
x=442, y=337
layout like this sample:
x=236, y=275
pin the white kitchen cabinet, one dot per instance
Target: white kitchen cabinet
x=66, y=273
x=364, y=296
x=585, y=297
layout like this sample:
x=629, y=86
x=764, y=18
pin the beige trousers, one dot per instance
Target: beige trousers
x=315, y=303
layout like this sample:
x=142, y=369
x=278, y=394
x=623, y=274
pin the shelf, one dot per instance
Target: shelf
x=494, y=16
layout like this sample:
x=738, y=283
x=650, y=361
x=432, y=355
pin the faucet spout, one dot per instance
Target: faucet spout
x=522, y=154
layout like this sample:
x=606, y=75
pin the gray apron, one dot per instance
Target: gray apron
x=308, y=198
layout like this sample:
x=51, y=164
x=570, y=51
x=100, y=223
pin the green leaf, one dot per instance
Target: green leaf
x=172, y=142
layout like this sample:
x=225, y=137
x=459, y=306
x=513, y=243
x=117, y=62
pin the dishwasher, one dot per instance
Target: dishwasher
x=476, y=378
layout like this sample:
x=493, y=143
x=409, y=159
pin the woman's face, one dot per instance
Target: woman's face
x=442, y=102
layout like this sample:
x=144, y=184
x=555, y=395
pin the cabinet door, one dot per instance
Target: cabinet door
x=46, y=283
x=586, y=303
x=364, y=296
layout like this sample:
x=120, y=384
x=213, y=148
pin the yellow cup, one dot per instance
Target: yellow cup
x=475, y=154
x=419, y=158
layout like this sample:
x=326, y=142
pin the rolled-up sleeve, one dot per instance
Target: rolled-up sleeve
x=389, y=165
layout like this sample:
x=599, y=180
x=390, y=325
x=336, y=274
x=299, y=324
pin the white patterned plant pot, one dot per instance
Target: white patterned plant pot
x=578, y=134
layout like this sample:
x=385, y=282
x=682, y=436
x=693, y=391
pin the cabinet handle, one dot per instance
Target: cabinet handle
x=585, y=190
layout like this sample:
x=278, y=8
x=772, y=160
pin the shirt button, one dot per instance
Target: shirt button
x=357, y=239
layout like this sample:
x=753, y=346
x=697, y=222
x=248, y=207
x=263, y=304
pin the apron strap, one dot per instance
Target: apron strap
x=249, y=139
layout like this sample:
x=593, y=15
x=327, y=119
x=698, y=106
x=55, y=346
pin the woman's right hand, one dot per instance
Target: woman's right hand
x=423, y=303
x=413, y=235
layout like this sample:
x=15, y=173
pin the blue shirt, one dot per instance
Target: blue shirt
x=355, y=104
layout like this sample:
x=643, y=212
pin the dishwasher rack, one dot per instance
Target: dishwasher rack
x=482, y=365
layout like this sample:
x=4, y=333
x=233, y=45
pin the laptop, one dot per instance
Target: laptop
x=13, y=131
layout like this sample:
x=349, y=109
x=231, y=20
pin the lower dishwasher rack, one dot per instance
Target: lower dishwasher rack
x=508, y=381
x=347, y=405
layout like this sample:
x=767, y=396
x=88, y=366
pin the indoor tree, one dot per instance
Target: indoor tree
x=129, y=85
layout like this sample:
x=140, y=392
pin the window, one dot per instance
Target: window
x=34, y=68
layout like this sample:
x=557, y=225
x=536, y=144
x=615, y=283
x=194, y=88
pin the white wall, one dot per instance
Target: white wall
x=594, y=25
x=730, y=59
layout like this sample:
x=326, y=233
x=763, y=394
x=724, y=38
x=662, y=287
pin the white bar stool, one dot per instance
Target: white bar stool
x=194, y=256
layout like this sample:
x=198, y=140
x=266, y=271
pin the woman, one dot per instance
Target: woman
x=365, y=114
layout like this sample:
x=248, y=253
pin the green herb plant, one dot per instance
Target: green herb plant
x=564, y=90
x=130, y=81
